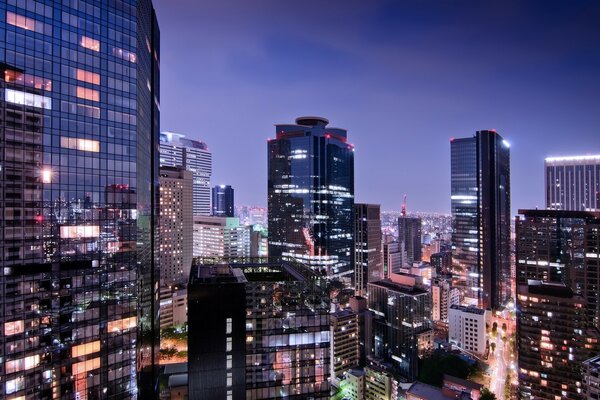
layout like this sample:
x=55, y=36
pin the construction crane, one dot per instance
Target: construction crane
x=404, y=206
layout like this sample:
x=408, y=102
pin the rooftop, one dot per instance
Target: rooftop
x=427, y=392
x=468, y=309
x=410, y=290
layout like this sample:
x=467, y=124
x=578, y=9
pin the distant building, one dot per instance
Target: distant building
x=442, y=262
x=573, y=183
x=591, y=378
x=409, y=233
x=220, y=237
x=222, y=201
x=354, y=384
x=359, y=306
x=481, y=218
x=344, y=334
x=176, y=225
x=259, y=246
x=467, y=328
x=380, y=384
x=453, y=388
x=394, y=258
x=368, y=263
x=249, y=323
x=399, y=314
x=443, y=296
x=173, y=306
x=311, y=196
x=178, y=151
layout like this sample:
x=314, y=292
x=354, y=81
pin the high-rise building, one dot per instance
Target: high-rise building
x=311, y=196
x=400, y=314
x=409, y=233
x=222, y=201
x=591, y=378
x=345, y=350
x=176, y=225
x=466, y=328
x=441, y=262
x=480, y=199
x=554, y=338
x=261, y=331
x=79, y=115
x=220, y=237
x=178, y=151
x=368, y=262
x=573, y=183
x=443, y=296
x=394, y=258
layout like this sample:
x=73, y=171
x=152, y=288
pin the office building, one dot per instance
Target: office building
x=311, y=196
x=467, y=328
x=353, y=385
x=178, y=151
x=591, y=378
x=380, y=383
x=344, y=334
x=261, y=331
x=442, y=262
x=443, y=296
x=358, y=305
x=79, y=115
x=220, y=237
x=176, y=225
x=259, y=246
x=399, y=314
x=394, y=258
x=368, y=262
x=222, y=201
x=173, y=306
x=480, y=201
x=409, y=233
x=573, y=183
x=554, y=339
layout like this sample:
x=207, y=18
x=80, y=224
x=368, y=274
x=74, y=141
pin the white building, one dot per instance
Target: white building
x=443, y=297
x=467, y=328
x=220, y=237
x=173, y=307
x=193, y=155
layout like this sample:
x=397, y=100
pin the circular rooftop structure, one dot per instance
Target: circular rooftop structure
x=312, y=121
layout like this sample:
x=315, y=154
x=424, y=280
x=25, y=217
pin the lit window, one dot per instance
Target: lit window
x=87, y=76
x=229, y=361
x=85, y=366
x=124, y=54
x=229, y=379
x=90, y=43
x=88, y=94
x=79, y=231
x=20, y=21
x=46, y=175
x=228, y=344
x=122, y=324
x=13, y=327
x=228, y=325
x=27, y=80
x=80, y=144
x=15, y=385
x=86, y=348
x=27, y=99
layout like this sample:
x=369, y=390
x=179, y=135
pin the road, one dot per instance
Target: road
x=500, y=360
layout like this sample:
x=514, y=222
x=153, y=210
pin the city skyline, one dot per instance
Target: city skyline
x=403, y=80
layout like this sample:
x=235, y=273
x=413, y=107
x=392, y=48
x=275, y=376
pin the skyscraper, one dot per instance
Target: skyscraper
x=480, y=199
x=176, y=225
x=573, y=183
x=409, y=233
x=311, y=196
x=221, y=237
x=368, y=260
x=79, y=116
x=178, y=151
x=222, y=201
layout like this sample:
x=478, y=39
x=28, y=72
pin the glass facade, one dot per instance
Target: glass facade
x=368, y=260
x=573, y=183
x=480, y=202
x=222, y=201
x=78, y=142
x=311, y=196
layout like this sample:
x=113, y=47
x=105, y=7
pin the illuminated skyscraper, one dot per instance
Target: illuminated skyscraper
x=368, y=260
x=480, y=193
x=178, y=151
x=311, y=196
x=222, y=201
x=409, y=233
x=79, y=116
x=573, y=183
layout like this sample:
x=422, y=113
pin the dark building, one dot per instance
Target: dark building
x=260, y=329
x=480, y=200
x=79, y=117
x=222, y=201
x=573, y=183
x=311, y=196
x=368, y=261
x=442, y=262
x=400, y=314
x=409, y=233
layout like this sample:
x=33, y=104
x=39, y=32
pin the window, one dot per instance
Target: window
x=229, y=379
x=90, y=43
x=88, y=94
x=87, y=76
x=228, y=325
x=15, y=385
x=27, y=99
x=228, y=344
x=27, y=80
x=80, y=144
x=85, y=366
x=229, y=361
x=86, y=348
x=79, y=232
x=14, y=327
x=124, y=54
x=29, y=24
x=122, y=324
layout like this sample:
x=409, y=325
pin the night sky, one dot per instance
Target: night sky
x=402, y=76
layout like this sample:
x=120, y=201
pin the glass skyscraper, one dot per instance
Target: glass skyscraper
x=222, y=201
x=79, y=116
x=311, y=196
x=573, y=183
x=480, y=201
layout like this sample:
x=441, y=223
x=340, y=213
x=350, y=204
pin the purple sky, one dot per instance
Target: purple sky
x=402, y=76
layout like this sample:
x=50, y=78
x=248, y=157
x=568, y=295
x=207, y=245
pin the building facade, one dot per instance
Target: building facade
x=467, y=328
x=79, y=115
x=480, y=202
x=173, y=306
x=221, y=237
x=345, y=350
x=368, y=262
x=591, y=378
x=178, y=151
x=176, y=225
x=311, y=196
x=443, y=296
x=222, y=201
x=409, y=233
x=261, y=330
x=572, y=183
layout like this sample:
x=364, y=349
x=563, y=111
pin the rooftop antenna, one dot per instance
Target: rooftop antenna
x=404, y=206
